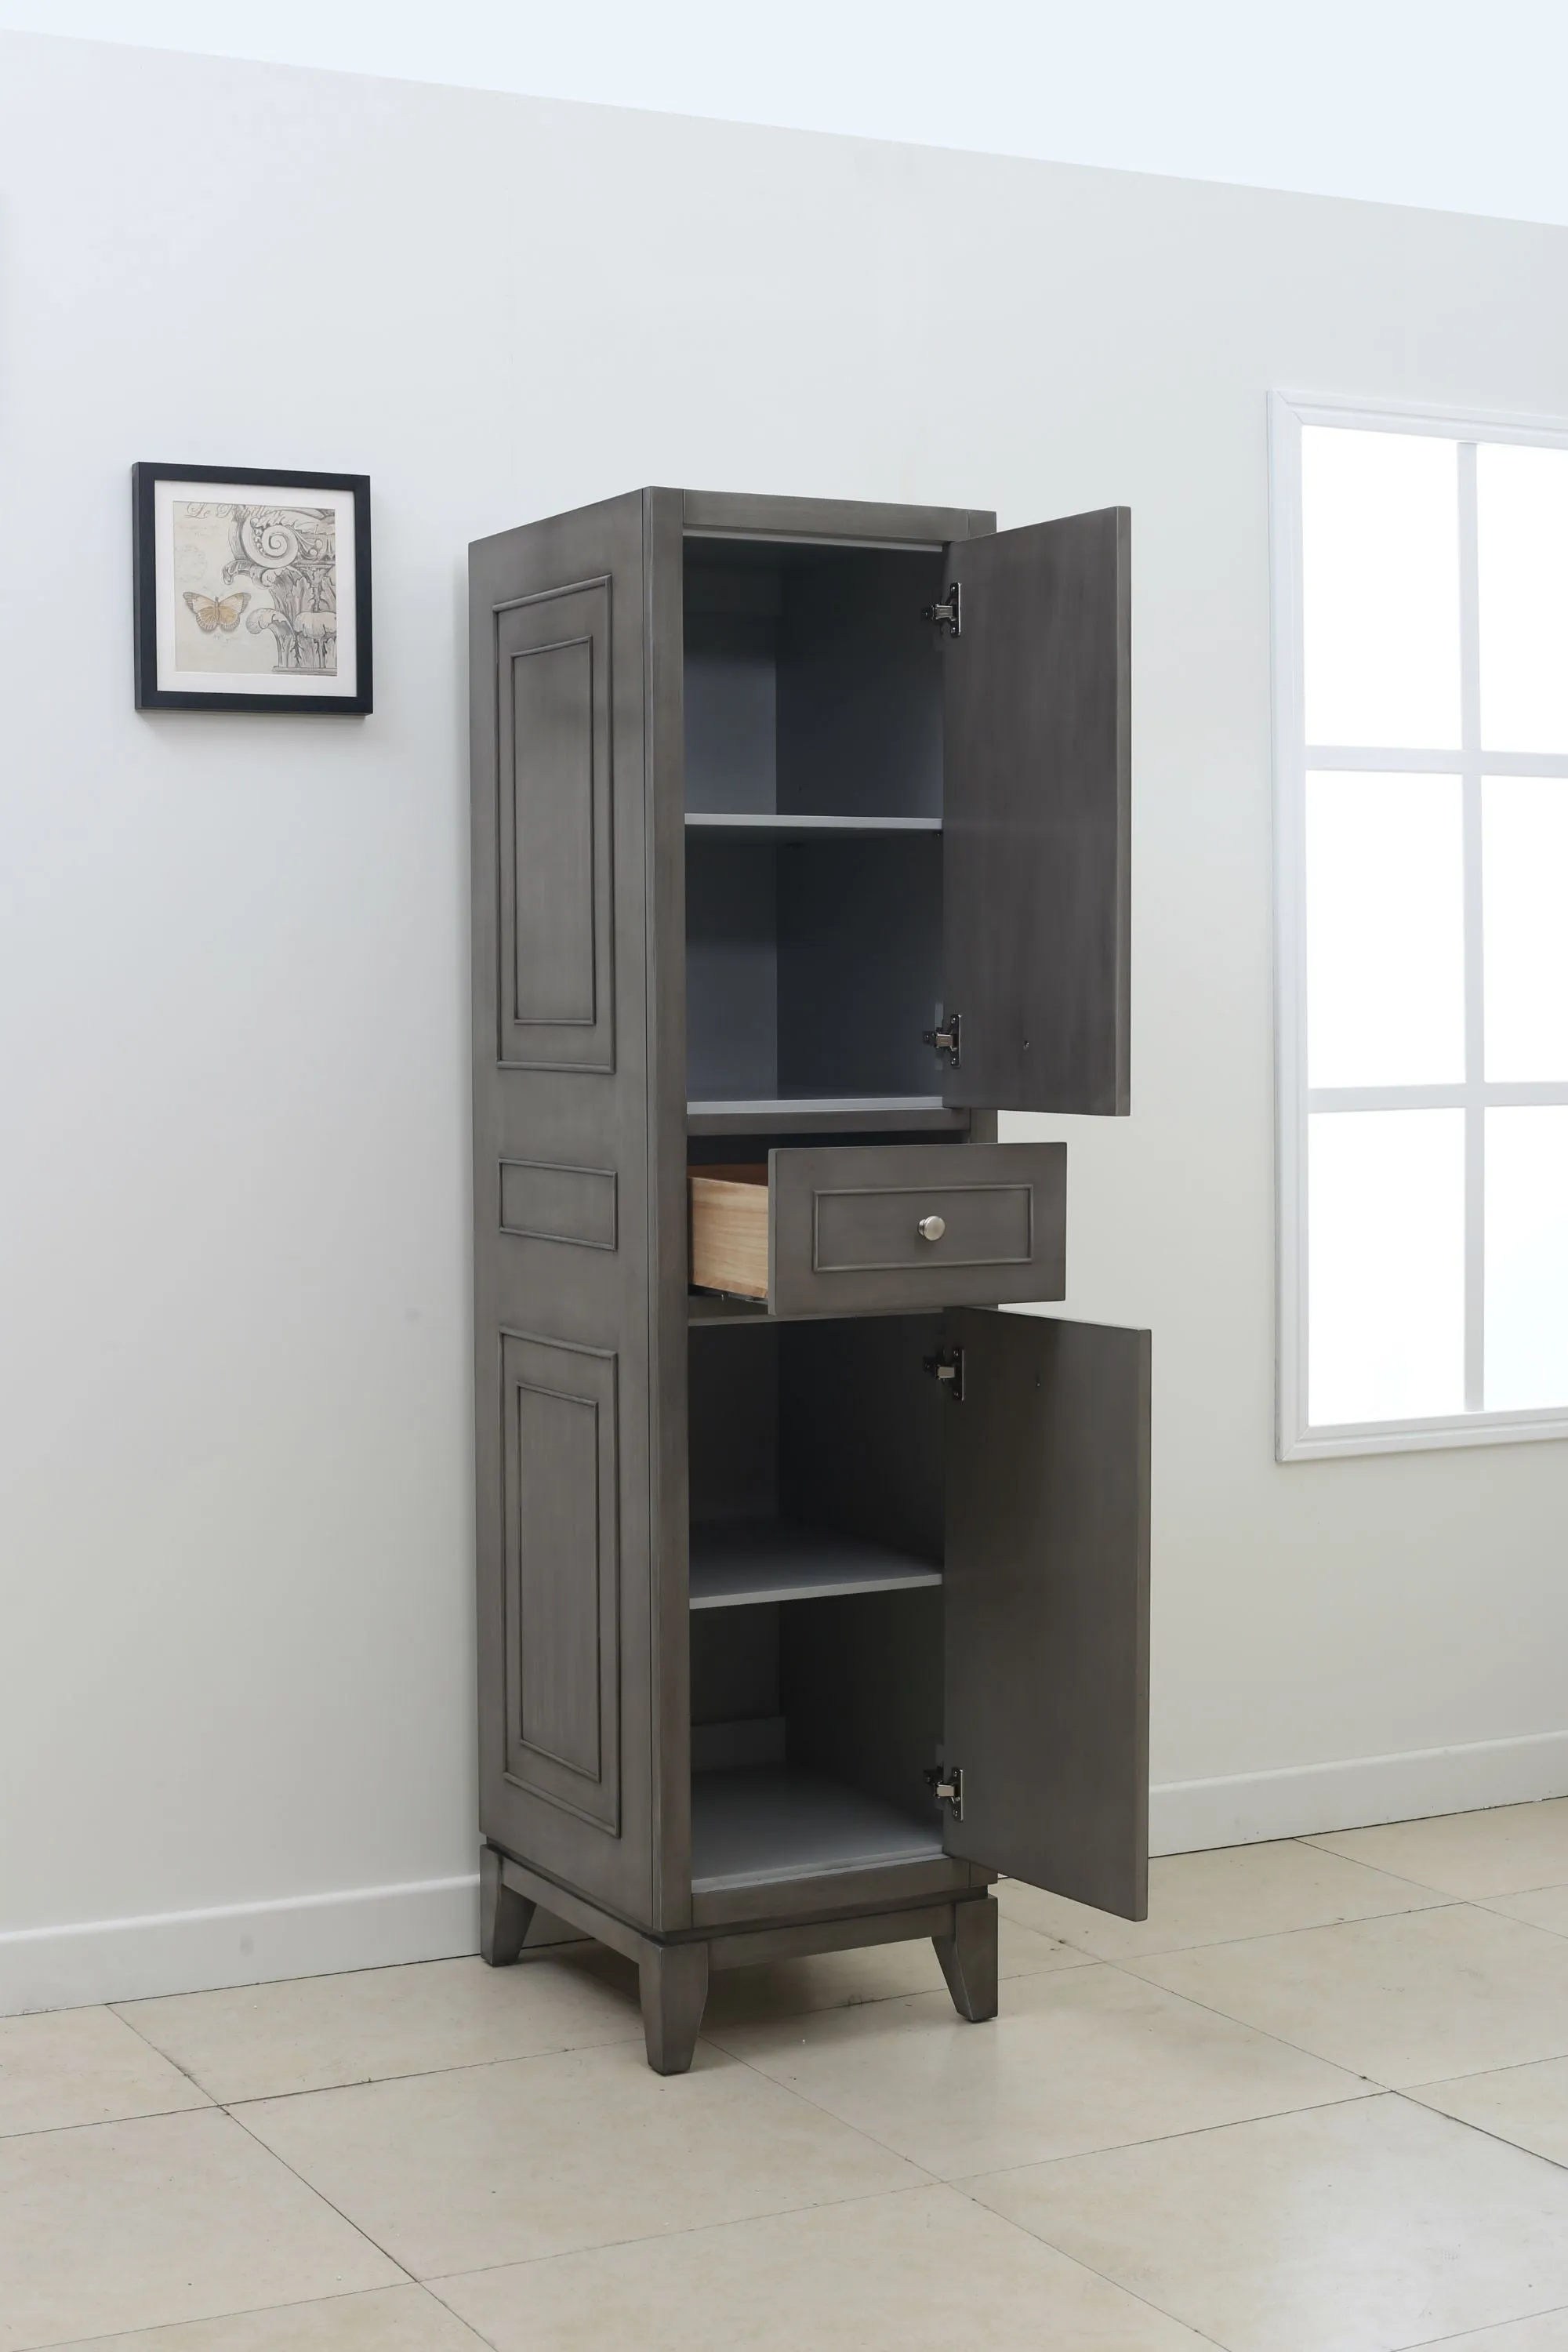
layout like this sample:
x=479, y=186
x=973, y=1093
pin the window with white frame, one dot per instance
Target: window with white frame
x=1421, y=679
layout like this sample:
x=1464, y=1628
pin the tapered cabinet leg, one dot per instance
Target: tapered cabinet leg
x=968, y=1958
x=673, y=1981
x=505, y=1916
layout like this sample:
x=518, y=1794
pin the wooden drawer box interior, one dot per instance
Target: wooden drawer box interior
x=729, y=1229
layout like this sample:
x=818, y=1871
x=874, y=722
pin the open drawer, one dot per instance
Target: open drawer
x=866, y=1229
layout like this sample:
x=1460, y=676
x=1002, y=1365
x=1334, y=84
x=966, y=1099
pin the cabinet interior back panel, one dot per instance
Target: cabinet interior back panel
x=812, y=685
x=812, y=966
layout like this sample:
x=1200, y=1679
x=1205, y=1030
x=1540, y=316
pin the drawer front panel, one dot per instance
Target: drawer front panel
x=865, y=1229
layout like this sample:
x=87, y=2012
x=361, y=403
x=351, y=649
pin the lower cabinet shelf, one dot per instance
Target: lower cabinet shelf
x=740, y=1561
x=768, y=1823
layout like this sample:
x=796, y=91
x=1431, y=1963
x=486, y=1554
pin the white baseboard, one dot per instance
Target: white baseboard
x=437, y=1918
x=243, y=1942
x=1185, y=1816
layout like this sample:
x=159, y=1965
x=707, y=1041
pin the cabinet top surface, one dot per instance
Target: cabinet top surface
x=743, y=514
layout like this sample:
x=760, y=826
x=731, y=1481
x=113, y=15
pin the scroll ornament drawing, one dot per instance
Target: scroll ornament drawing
x=291, y=552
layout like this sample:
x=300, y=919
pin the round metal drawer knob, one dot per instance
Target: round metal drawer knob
x=932, y=1229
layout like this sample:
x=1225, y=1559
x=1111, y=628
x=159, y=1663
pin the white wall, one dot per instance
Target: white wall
x=1456, y=103
x=235, y=1673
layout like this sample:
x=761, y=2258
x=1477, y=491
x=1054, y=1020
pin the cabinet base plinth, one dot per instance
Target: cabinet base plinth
x=673, y=1970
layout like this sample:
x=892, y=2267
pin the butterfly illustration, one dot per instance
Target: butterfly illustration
x=217, y=612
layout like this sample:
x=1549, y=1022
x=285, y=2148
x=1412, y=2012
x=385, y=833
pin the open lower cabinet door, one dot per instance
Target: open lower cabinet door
x=1046, y=1592
x=1036, y=681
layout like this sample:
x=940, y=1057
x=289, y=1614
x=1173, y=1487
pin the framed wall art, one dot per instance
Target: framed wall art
x=252, y=589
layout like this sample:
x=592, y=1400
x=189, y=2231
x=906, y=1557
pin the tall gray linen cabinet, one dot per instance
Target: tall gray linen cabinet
x=800, y=850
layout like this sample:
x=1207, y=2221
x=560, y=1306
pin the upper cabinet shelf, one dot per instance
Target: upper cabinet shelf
x=801, y=1115
x=770, y=825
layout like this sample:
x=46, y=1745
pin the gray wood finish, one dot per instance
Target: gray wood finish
x=672, y=1979
x=735, y=1665
x=857, y=1114
x=763, y=1945
x=567, y=1644
x=859, y=683
x=845, y=1238
x=1046, y=1600
x=750, y=1828
x=664, y=881
x=859, y=964
x=813, y=965
x=860, y=1680
x=730, y=639
x=735, y=1747
x=757, y=661
x=1038, y=807
x=555, y=830
x=732, y=967
x=732, y=514
x=877, y=1886
x=539, y=1202
x=742, y=1563
x=505, y=1916
x=733, y=1420
x=967, y=1951
x=772, y=827
x=861, y=1430
x=560, y=1458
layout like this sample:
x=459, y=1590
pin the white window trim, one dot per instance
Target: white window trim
x=1296, y=1439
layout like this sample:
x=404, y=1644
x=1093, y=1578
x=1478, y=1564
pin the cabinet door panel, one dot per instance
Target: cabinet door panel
x=1045, y=1593
x=1038, y=794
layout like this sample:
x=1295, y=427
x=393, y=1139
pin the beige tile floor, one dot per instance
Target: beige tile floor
x=1317, y=2104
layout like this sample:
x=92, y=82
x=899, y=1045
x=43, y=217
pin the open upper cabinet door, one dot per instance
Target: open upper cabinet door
x=1045, y=1596
x=1037, y=801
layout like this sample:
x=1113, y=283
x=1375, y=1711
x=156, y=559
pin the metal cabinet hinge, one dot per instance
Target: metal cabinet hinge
x=946, y=1785
x=948, y=617
x=948, y=1039
x=947, y=1366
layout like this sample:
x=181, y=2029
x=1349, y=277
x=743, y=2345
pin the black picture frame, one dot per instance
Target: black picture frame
x=145, y=478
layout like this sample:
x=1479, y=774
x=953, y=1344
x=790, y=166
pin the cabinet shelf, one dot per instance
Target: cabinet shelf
x=735, y=1562
x=768, y=1823
x=779, y=825
x=826, y=1114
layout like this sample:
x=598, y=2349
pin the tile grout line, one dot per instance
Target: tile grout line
x=1165, y=2140
x=250, y=2311
x=1077, y=2261
x=1299, y=2048
x=1501, y=2139
x=1396, y=2090
x=311, y=2188
x=1435, y=2343
x=426, y=2073
x=686, y=2230
x=1131, y=1969
x=1265, y=1935
x=1312, y=1841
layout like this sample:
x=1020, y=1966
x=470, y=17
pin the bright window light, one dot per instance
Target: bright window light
x=1387, y=1258
x=1421, y=632
x=1385, y=930
x=1380, y=554
x=1521, y=500
x=1524, y=865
